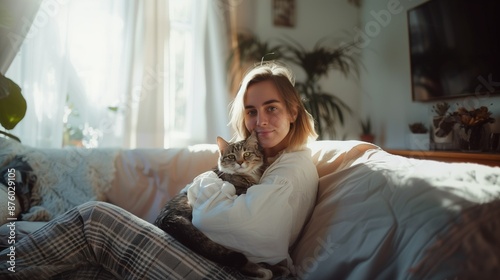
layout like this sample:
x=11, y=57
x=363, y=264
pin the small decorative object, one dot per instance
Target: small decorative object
x=366, y=131
x=493, y=143
x=472, y=132
x=442, y=127
x=284, y=13
x=418, y=128
x=419, y=137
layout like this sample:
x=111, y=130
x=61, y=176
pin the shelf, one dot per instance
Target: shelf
x=450, y=156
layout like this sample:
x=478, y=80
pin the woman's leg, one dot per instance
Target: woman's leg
x=104, y=236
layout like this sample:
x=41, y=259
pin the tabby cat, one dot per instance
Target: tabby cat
x=242, y=164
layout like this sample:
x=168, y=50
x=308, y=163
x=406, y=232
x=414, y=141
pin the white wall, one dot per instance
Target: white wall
x=386, y=80
x=384, y=90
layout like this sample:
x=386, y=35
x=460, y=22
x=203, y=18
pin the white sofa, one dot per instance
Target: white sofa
x=376, y=214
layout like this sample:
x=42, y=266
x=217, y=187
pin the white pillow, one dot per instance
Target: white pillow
x=145, y=179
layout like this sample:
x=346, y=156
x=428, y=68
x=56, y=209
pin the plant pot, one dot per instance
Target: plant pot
x=418, y=141
x=472, y=138
x=442, y=133
x=443, y=143
x=367, y=138
x=446, y=139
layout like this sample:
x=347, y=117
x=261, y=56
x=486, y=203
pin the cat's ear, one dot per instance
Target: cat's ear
x=253, y=138
x=222, y=143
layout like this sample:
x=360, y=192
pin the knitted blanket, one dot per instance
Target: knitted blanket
x=65, y=177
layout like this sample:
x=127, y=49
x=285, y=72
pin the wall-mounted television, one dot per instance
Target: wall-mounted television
x=454, y=49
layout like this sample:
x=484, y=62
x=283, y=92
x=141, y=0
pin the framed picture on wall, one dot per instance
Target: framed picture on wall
x=284, y=13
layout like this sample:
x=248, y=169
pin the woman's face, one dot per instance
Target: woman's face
x=266, y=113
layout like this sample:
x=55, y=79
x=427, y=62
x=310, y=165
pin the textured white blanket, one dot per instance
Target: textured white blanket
x=65, y=177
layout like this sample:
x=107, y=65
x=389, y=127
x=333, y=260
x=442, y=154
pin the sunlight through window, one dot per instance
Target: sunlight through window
x=179, y=65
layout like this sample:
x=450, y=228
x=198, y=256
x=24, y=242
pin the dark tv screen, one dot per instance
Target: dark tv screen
x=454, y=49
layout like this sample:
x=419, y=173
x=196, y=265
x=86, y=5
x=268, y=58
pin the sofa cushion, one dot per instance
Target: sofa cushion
x=145, y=179
x=330, y=155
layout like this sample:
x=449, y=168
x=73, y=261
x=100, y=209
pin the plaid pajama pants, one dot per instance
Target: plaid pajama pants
x=98, y=240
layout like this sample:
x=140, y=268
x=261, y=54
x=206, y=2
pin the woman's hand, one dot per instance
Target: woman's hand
x=209, y=188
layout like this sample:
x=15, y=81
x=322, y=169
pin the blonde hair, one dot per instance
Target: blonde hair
x=301, y=131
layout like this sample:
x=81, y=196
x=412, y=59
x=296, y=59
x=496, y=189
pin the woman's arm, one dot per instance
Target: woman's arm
x=266, y=220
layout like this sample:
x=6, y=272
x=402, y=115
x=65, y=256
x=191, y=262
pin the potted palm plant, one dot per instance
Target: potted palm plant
x=326, y=108
x=442, y=123
x=472, y=127
x=250, y=49
x=12, y=106
x=442, y=127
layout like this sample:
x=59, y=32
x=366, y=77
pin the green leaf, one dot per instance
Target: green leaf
x=12, y=103
x=113, y=108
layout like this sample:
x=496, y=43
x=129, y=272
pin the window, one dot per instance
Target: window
x=179, y=65
x=83, y=53
x=70, y=68
x=100, y=73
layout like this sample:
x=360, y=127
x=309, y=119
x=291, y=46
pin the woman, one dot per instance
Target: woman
x=100, y=240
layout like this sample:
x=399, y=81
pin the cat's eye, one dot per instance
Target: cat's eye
x=247, y=154
x=231, y=157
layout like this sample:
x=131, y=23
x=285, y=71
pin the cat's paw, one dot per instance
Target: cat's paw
x=255, y=271
x=263, y=274
x=280, y=271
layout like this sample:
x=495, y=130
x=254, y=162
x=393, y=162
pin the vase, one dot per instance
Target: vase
x=472, y=138
x=419, y=141
x=446, y=139
x=442, y=133
x=493, y=142
x=367, y=138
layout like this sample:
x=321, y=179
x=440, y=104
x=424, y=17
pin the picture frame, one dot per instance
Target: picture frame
x=284, y=13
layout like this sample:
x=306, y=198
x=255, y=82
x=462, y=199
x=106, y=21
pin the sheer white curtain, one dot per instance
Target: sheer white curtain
x=145, y=110
x=71, y=69
x=35, y=71
x=180, y=95
x=197, y=99
x=105, y=73
x=212, y=54
x=16, y=17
